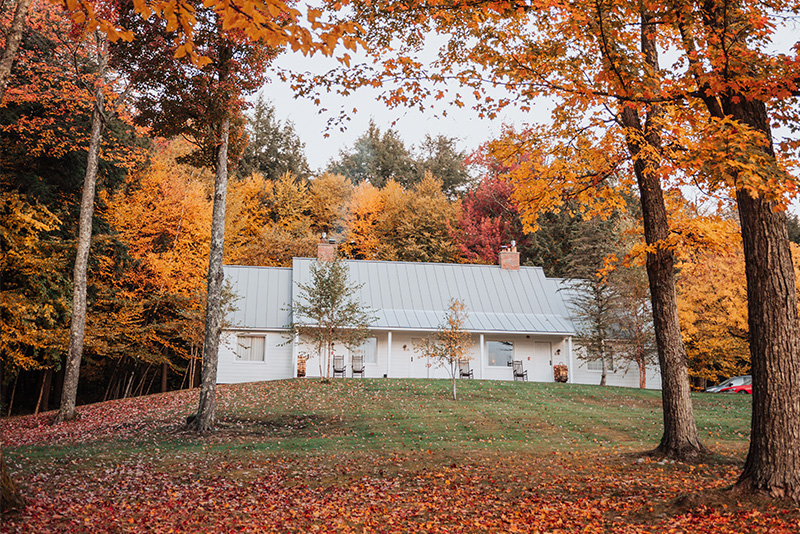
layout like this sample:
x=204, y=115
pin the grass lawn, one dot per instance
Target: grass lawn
x=384, y=456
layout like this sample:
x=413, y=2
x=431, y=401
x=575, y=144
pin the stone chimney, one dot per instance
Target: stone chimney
x=326, y=249
x=509, y=257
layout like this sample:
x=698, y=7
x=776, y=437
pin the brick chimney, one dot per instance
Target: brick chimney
x=326, y=249
x=509, y=257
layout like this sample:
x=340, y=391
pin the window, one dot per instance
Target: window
x=500, y=353
x=250, y=348
x=369, y=350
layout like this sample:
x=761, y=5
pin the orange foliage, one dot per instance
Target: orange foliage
x=274, y=23
x=164, y=218
x=56, y=75
x=366, y=205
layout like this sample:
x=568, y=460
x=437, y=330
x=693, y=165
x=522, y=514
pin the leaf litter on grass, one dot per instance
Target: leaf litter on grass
x=387, y=456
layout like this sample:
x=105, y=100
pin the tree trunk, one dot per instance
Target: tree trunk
x=13, y=39
x=603, y=367
x=642, y=363
x=204, y=419
x=680, y=439
x=44, y=392
x=13, y=392
x=773, y=460
x=164, y=371
x=69, y=393
x=10, y=497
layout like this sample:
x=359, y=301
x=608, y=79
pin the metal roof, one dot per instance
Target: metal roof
x=264, y=297
x=416, y=296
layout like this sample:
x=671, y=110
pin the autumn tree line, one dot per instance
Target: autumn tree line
x=96, y=98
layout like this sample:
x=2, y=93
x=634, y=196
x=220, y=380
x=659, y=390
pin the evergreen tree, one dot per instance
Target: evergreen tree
x=377, y=158
x=273, y=148
x=440, y=157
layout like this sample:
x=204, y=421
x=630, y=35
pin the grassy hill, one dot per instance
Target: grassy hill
x=387, y=415
x=382, y=456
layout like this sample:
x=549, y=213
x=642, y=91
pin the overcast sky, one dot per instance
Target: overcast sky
x=411, y=124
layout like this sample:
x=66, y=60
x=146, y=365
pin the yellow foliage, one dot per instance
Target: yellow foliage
x=329, y=196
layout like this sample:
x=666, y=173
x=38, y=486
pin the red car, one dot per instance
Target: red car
x=744, y=388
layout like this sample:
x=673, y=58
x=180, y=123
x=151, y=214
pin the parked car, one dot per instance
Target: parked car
x=736, y=381
x=744, y=388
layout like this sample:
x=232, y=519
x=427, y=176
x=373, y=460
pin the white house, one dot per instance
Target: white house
x=514, y=313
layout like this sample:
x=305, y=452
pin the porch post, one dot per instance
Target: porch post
x=569, y=351
x=483, y=359
x=294, y=355
x=389, y=354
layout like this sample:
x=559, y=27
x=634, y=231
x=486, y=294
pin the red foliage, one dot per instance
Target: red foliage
x=488, y=220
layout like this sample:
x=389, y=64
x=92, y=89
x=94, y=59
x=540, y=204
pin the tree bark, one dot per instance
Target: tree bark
x=680, y=439
x=773, y=460
x=164, y=371
x=69, y=393
x=13, y=39
x=204, y=419
x=641, y=361
x=10, y=497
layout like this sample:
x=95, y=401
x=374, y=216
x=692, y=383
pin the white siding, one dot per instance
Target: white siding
x=537, y=353
x=625, y=375
x=277, y=362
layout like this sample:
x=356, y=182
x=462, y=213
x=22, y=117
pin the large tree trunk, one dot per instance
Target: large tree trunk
x=10, y=497
x=77, y=325
x=680, y=439
x=204, y=419
x=773, y=460
x=13, y=39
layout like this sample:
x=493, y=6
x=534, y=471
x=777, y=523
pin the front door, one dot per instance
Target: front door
x=541, y=365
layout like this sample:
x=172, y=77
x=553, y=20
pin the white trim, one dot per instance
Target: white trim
x=389, y=354
x=295, y=342
x=570, y=372
x=483, y=357
x=398, y=329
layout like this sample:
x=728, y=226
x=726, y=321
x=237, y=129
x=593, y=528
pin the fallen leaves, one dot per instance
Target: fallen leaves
x=368, y=456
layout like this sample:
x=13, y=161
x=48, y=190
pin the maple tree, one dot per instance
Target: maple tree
x=450, y=344
x=329, y=196
x=78, y=319
x=415, y=224
x=488, y=220
x=269, y=222
x=713, y=307
x=362, y=240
